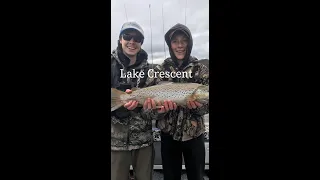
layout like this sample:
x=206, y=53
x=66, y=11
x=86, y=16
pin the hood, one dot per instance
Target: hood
x=191, y=62
x=141, y=62
x=167, y=37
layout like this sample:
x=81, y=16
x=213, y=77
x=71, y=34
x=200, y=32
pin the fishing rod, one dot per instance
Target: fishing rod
x=185, y=15
x=151, y=34
x=125, y=10
x=164, y=45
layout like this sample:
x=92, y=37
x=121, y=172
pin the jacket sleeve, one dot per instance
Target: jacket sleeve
x=121, y=115
x=202, y=78
x=149, y=114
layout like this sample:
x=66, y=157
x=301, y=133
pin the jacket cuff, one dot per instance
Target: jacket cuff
x=201, y=110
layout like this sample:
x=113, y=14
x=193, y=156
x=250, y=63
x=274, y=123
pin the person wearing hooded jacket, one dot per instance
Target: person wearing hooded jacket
x=182, y=128
x=131, y=126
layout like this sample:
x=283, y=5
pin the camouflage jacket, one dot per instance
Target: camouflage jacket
x=129, y=129
x=178, y=122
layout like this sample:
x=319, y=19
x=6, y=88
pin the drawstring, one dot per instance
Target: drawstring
x=138, y=80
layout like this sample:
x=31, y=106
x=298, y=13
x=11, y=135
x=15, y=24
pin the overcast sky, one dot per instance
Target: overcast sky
x=197, y=13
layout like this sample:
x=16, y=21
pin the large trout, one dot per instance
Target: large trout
x=179, y=93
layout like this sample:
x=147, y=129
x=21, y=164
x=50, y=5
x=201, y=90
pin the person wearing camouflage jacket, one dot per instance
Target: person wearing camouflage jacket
x=131, y=126
x=182, y=128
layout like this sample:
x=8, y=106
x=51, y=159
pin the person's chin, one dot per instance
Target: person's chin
x=180, y=57
x=131, y=53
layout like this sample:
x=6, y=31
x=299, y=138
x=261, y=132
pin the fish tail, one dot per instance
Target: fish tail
x=116, y=101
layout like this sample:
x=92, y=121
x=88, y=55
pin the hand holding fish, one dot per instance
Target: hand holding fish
x=131, y=105
x=193, y=104
x=162, y=95
x=150, y=104
x=166, y=106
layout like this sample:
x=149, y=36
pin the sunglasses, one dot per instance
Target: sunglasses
x=136, y=38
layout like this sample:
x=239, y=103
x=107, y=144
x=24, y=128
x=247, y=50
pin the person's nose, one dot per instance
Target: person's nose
x=131, y=40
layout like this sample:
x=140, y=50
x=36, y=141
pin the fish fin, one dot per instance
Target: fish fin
x=183, y=105
x=192, y=97
x=158, y=107
x=115, y=99
x=164, y=83
x=116, y=107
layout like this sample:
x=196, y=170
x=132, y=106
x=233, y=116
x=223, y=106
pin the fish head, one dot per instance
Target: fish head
x=202, y=94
